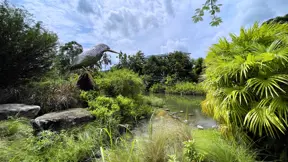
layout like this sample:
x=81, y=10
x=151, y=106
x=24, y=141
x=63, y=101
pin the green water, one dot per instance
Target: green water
x=187, y=108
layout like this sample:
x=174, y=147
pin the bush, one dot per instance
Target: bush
x=157, y=88
x=123, y=109
x=27, y=49
x=247, y=83
x=186, y=88
x=120, y=82
x=50, y=94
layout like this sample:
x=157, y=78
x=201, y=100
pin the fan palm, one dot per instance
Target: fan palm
x=247, y=80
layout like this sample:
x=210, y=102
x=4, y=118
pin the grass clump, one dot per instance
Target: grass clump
x=208, y=145
x=163, y=142
x=154, y=101
x=77, y=144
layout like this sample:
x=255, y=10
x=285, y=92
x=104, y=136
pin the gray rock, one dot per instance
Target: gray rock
x=167, y=110
x=18, y=110
x=191, y=114
x=181, y=111
x=61, y=120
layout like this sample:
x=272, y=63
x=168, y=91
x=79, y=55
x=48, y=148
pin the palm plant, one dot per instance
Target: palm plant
x=246, y=80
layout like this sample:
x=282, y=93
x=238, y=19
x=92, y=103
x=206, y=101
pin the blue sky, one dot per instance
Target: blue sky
x=152, y=26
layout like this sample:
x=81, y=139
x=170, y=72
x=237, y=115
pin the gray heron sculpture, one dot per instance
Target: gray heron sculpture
x=88, y=58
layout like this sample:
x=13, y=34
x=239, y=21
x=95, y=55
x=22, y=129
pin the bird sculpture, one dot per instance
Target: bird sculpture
x=88, y=58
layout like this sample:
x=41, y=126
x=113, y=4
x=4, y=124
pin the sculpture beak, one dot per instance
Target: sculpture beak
x=112, y=51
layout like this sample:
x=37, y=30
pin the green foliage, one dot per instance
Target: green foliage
x=278, y=19
x=67, y=54
x=186, y=88
x=15, y=129
x=170, y=68
x=27, y=50
x=104, y=107
x=52, y=95
x=246, y=82
x=164, y=143
x=208, y=145
x=154, y=101
x=123, y=109
x=157, y=88
x=120, y=82
x=78, y=144
x=213, y=8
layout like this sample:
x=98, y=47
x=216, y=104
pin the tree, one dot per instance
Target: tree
x=197, y=68
x=67, y=54
x=27, y=50
x=179, y=65
x=136, y=62
x=213, y=8
x=247, y=83
x=278, y=19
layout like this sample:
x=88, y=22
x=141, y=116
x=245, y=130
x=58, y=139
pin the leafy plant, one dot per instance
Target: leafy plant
x=213, y=8
x=247, y=81
x=27, y=49
x=120, y=82
x=208, y=145
x=157, y=88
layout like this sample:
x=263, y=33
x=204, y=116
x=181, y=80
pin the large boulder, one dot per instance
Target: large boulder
x=56, y=121
x=18, y=110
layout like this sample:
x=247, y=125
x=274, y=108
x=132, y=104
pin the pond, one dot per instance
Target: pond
x=187, y=108
x=184, y=108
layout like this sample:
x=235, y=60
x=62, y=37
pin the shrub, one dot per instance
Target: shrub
x=157, y=88
x=123, y=109
x=27, y=49
x=153, y=101
x=186, y=88
x=51, y=94
x=120, y=82
x=247, y=82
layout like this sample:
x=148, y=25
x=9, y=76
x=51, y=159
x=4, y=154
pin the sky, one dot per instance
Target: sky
x=152, y=26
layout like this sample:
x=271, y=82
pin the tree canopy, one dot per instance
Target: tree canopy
x=27, y=50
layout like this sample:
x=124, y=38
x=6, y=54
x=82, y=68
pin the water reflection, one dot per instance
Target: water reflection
x=187, y=108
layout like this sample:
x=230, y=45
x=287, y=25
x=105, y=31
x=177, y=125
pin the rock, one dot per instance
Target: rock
x=200, y=127
x=181, y=111
x=185, y=121
x=190, y=114
x=215, y=126
x=18, y=110
x=167, y=110
x=61, y=120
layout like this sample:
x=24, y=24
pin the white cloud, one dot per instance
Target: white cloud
x=152, y=26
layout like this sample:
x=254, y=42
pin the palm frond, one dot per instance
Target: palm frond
x=262, y=119
x=268, y=86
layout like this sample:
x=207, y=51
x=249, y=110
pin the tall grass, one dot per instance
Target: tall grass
x=154, y=101
x=210, y=146
x=166, y=140
x=77, y=144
